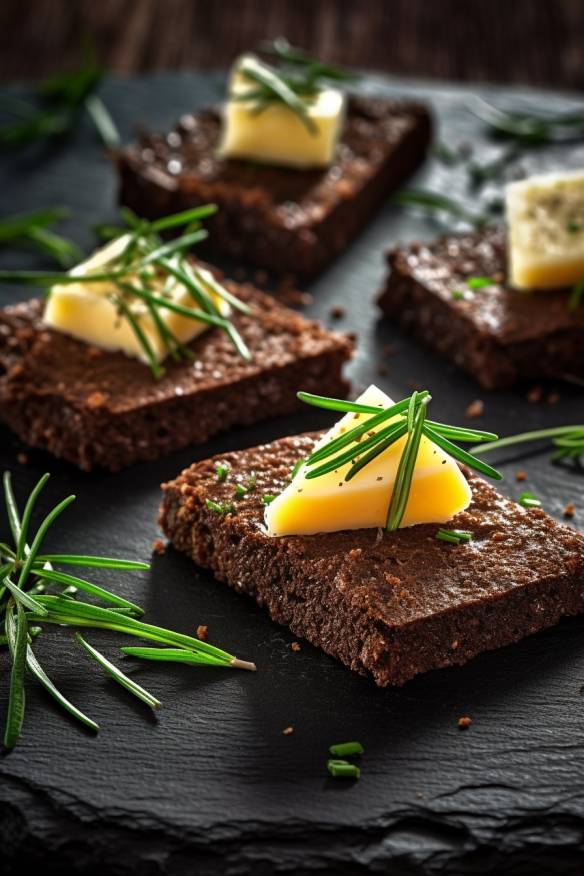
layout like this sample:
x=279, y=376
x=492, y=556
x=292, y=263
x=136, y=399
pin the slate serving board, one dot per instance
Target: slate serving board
x=212, y=785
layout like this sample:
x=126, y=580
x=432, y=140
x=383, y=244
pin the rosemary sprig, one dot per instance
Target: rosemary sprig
x=530, y=127
x=295, y=83
x=408, y=419
x=34, y=230
x=142, y=276
x=63, y=98
x=436, y=204
x=25, y=575
x=568, y=441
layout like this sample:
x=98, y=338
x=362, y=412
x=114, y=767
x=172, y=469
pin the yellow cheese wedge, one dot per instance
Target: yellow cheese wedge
x=329, y=503
x=86, y=312
x=277, y=135
x=545, y=215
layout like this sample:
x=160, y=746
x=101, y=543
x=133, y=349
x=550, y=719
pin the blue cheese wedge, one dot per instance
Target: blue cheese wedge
x=88, y=312
x=276, y=134
x=329, y=503
x=545, y=215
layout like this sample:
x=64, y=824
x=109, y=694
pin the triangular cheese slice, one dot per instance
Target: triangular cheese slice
x=329, y=503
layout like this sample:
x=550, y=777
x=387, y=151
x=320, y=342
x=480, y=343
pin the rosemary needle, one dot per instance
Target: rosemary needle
x=25, y=575
x=569, y=440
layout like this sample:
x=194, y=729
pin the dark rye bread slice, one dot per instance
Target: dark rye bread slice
x=497, y=334
x=392, y=605
x=282, y=219
x=96, y=408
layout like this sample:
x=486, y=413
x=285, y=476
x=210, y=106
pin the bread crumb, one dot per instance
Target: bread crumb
x=475, y=408
x=96, y=400
x=287, y=731
x=520, y=475
x=295, y=646
x=454, y=645
x=464, y=722
x=383, y=370
x=553, y=398
x=534, y=395
x=159, y=547
x=22, y=458
x=337, y=312
x=569, y=510
x=202, y=632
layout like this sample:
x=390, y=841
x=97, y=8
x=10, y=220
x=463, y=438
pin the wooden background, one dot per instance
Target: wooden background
x=536, y=42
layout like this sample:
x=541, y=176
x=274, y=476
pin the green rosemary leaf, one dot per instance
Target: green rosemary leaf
x=461, y=433
x=373, y=443
x=87, y=561
x=185, y=218
x=342, y=769
x=39, y=536
x=407, y=463
x=336, y=404
x=346, y=749
x=17, y=635
x=26, y=515
x=268, y=498
x=166, y=304
x=63, y=251
x=223, y=293
x=529, y=500
x=174, y=655
x=221, y=508
x=462, y=455
x=454, y=536
x=87, y=587
x=197, y=290
x=222, y=469
x=576, y=295
x=480, y=282
x=397, y=432
x=179, y=244
x=434, y=202
x=11, y=507
x=556, y=433
x=119, y=676
x=528, y=126
x=281, y=49
x=47, y=278
x=155, y=366
x=103, y=121
x=278, y=88
x=74, y=613
x=32, y=229
x=38, y=672
x=238, y=342
x=22, y=597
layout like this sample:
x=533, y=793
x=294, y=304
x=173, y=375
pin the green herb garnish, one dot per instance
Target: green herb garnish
x=529, y=500
x=454, y=536
x=530, y=127
x=569, y=441
x=142, y=275
x=346, y=749
x=33, y=593
x=222, y=469
x=221, y=508
x=409, y=419
x=63, y=99
x=573, y=227
x=342, y=769
x=480, y=282
x=295, y=83
x=268, y=498
x=250, y=485
x=34, y=230
x=436, y=204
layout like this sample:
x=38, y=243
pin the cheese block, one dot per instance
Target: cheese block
x=329, y=503
x=276, y=134
x=87, y=312
x=545, y=215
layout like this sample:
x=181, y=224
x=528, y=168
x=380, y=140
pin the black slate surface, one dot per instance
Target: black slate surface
x=211, y=785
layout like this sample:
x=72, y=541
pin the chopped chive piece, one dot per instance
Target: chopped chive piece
x=267, y=499
x=243, y=489
x=296, y=468
x=576, y=295
x=221, y=508
x=573, y=227
x=529, y=500
x=346, y=749
x=222, y=469
x=342, y=769
x=454, y=536
x=480, y=282
x=457, y=294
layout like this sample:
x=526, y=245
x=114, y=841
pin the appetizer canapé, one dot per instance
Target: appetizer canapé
x=504, y=306
x=296, y=167
x=141, y=351
x=425, y=566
